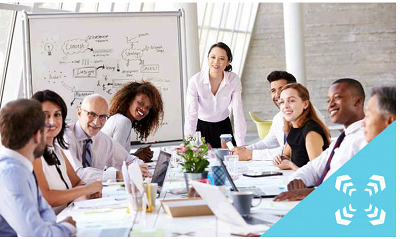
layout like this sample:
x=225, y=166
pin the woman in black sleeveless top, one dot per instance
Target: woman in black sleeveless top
x=307, y=135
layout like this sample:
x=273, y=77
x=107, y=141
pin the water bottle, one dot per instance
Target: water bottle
x=213, y=162
x=197, y=141
x=218, y=174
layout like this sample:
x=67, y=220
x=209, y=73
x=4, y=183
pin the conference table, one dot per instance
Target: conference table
x=111, y=212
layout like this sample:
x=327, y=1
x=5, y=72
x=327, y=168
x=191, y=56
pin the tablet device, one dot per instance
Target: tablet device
x=262, y=174
x=257, y=191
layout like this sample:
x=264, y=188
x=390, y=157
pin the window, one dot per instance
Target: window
x=5, y=23
x=231, y=23
x=49, y=5
x=69, y=6
x=88, y=7
x=121, y=7
x=105, y=7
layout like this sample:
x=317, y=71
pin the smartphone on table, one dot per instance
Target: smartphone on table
x=262, y=174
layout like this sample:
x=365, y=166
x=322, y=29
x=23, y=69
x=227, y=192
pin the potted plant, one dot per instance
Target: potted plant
x=194, y=154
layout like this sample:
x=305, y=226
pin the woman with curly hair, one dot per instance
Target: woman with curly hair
x=136, y=105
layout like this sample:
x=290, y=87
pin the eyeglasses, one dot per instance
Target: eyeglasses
x=93, y=115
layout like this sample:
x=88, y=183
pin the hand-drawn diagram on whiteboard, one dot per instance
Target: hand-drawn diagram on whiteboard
x=76, y=57
x=87, y=68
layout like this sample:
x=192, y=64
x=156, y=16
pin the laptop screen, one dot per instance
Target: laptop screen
x=161, y=168
x=228, y=175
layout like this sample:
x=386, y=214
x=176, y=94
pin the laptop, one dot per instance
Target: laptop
x=258, y=192
x=222, y=208
x=161, y=169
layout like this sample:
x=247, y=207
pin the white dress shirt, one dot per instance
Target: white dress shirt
x=202, y=104
x=106, y=153
x=53, y=178
x=50, y=171
x=272, y=144
x=353, y=142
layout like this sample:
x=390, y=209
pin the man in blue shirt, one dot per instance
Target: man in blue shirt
x=23, y=210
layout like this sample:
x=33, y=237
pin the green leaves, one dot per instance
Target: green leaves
x=194, y=156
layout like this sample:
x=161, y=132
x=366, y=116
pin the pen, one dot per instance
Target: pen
x=283, y=151
x=105, y=168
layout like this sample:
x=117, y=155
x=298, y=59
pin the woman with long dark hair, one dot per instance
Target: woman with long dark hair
x=210, y=95
x=56, y=177
x=307, y=135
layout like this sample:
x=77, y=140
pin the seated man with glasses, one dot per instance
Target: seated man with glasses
x=95, y=156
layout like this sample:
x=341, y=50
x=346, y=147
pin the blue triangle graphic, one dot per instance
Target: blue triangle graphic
x=315, y=215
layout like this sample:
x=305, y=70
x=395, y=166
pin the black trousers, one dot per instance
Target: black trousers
x=212, y=130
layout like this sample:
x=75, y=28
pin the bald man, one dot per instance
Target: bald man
x=93, y=154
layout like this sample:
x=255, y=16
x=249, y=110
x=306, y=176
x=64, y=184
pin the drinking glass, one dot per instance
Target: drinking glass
x=231, y=163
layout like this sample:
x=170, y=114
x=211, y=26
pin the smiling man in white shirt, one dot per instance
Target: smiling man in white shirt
x=273, y=142
x=93, y=154
x=345, y=106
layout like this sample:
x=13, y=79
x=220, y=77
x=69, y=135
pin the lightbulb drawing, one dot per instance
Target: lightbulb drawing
x=48, y=47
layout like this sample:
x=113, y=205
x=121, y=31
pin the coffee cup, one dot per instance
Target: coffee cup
x=225, y=138
x=242, y=201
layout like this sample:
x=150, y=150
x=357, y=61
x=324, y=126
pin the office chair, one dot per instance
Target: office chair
x=263, y=126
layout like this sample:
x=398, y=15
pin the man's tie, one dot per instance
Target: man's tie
x=328, y=163
x=86, y=153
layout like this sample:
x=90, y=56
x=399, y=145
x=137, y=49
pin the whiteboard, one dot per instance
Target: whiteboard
x=78, y=54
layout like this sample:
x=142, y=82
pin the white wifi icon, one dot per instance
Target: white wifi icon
x=346, y=185
x=373, y=186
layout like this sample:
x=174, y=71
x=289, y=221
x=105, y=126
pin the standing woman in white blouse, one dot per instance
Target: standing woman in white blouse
x=211, y=94
x=56, y=178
